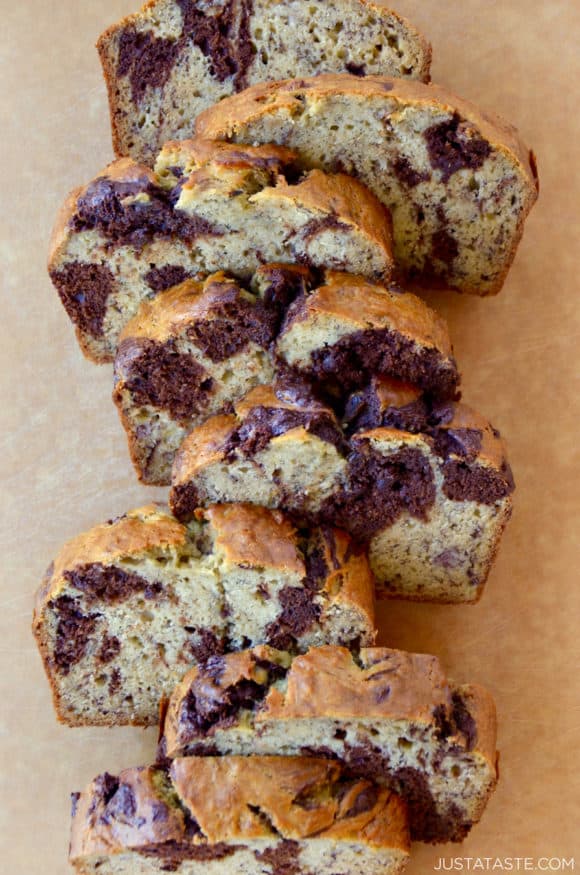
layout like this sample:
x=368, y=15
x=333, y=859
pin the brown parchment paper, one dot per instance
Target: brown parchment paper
x=65, y=464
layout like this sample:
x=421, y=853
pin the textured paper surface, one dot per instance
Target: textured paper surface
x=65, y=464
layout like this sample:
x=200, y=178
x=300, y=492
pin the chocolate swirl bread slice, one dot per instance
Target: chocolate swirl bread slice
x=430, y=503
x=126, y=608
x=386, y=715
x=238, y=816
x=192, y=351
x=168, y=62
x=131, y=233
x=458, y=182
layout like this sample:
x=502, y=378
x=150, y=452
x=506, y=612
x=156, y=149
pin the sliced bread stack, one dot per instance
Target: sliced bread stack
x=247, y=273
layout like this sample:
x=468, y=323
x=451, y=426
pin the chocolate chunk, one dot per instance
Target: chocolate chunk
x=236, y=321
x=110, y=584
x=281, y=284
x=157, y=374
x=109, y=648
x=452, y=146
x=73, y=632
x=223, y=37
x=161, y=278
x=380, y=489
x=407, y=174
x=84, y=290
x=464, y=721
x=465, y=482
x=464, y=442
x=114, y=682
x=132, y=213
x=207, y=707
x=105, y=787
x=299, y=613
x=205, y=645
x=262, y=424
x=444, y=247
x=184, y=501
x=282, y=859
x=356, y=69
x=365, y=801
x=147, y=60
x=350, y=363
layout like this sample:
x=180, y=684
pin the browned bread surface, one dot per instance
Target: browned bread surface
x=429, y=493
x=383, y=713
x=127, y=607
x=174, y=58
x=238, y=815
x=458, y=182
x=131, y=233
x=191, y=352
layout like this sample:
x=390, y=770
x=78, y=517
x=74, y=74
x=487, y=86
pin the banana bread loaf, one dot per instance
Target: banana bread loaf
x=199, y=347
x=431, y=504
x=168, y=62
x=132, y=233
x=238, y=816
x=458, y=182
x=384, y=714
x=128, y=607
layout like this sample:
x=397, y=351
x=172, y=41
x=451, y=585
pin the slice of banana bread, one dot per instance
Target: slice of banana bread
x=238, y=816
x=168, y=62
x=384, y=714
x=348, y=330
x=131, y=233
x=128, y=607
x=431, y=504
x=186, y=355
x=458, y=182
x=199, y=347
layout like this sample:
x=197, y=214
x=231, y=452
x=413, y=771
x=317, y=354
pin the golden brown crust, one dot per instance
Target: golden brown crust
x=219, y=121
x=252, y=536
x=328, y=682
x=195, y=153
x=235, y=800
x=363, y=305
x=202, y=447
x=273, y=784
x=133, y=534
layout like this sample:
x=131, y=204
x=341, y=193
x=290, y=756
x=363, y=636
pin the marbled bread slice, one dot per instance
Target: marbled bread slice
x=168, y=62
x=458, y=182
x=431, y=504
x=131, y=233
x=238, y=816
x=126, y=608
x=384, y=714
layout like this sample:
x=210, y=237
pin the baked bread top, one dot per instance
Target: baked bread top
x=206, y=802
x=459, y=182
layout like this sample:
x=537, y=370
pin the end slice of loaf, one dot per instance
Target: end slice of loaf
x=201, y=346
x=384, y=714
x=458, y=182
x=128, y=607
x=131, y=233
x=431, y=503
x=232, y=815
x=174, y=58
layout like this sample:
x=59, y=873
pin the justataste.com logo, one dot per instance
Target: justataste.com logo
x=505, y=864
